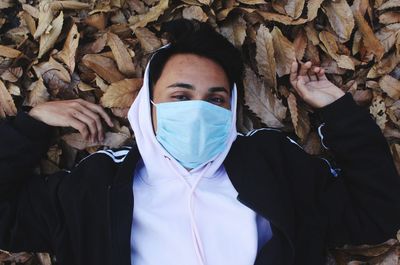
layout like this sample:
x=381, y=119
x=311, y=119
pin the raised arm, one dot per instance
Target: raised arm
x=362, y=204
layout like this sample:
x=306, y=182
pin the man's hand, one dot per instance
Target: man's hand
x=77, y=113
x=311, y=84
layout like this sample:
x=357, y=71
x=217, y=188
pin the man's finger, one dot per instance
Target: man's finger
x=98, y=109
x=88, y=121
x=96, y=118
x=80, y=126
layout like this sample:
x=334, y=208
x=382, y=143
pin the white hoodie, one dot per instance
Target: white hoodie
x=182, y=217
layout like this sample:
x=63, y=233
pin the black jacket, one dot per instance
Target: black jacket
x=84, y=216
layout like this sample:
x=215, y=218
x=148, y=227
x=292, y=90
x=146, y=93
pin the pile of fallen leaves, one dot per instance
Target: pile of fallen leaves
x=97, y=50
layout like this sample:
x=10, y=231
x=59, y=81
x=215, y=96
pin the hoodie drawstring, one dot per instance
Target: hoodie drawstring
x=195, y=233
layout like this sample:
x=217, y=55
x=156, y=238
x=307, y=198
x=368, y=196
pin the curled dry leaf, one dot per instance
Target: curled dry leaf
x=235, y=31
x=286, y=20
x=312, y=9
x=54, y=75
x=151, y=15
x=7, y=106
x=340, y=17
x=370, y=41
x=300, y=44
x=194, y=12
x=147, y=39
x=9, y=52
x=284, y=52
x=389, y=4
x=103, y=66
x=391, y=86
x=300, y=119
x=121, y=54
x=265, y=56
x=48, y=38
x=38, y=94
x=45, y=17
x=121, y=94
x=12, y=74
x=67, y=54
x=388, y=35
x=294, y=8
x=262, y=102
x=378, y=111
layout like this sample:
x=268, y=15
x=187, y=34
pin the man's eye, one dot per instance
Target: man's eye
x=217, y=100
x=181, y=97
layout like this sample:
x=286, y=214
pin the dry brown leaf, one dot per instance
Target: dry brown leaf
x=103, y=66
x=389, y=17
x=389, y=4
x=147, y=39
x=252, y=2
x=284, y=52
x=388, y=35
x=262, y=102
x=6, y=4
x=300, y=44
x=391, y=86
x=370, y=41
x=235, y=31
x=312, y=9
x=151, y=15
x=121, y=54
x=31, y=10
x=300, y=119
x=294, y=8
x=49, y=37
x=9, y=52
x=385, y=66
x=340, y=17
x=12, y=74
x=121, y=94
x=60, y=5
x=54, y=75
x=30, y=22
x=97, y=20
x=194, y=12
x=67, y=54
x=265, y=56
x=332, y=48
x=377, y=109
x=112, y=140
x=7, y=106
x=45, y=17
x=38, y=94
x=270, y=16
x=14, y=90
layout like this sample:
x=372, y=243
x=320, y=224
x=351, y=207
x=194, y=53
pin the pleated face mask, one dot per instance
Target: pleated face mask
x=192, y=131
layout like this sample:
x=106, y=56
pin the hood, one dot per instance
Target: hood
x=155, y=158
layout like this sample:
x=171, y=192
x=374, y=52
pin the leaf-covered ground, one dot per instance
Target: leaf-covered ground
x=97, y=50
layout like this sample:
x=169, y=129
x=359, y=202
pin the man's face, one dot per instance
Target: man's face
x=191, y=77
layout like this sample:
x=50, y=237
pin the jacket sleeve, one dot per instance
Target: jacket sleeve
x=361, y=200
x=24, y=196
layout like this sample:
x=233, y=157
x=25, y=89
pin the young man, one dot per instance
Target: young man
x=193, y=190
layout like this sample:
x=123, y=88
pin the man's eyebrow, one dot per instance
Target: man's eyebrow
x=218, y=89
x=189, y=86
x=183, y=85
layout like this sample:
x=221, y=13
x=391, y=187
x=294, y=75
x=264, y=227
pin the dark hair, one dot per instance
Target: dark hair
x=199, y=38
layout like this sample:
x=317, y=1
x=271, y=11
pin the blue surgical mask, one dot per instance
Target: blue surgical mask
x=192, y=131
